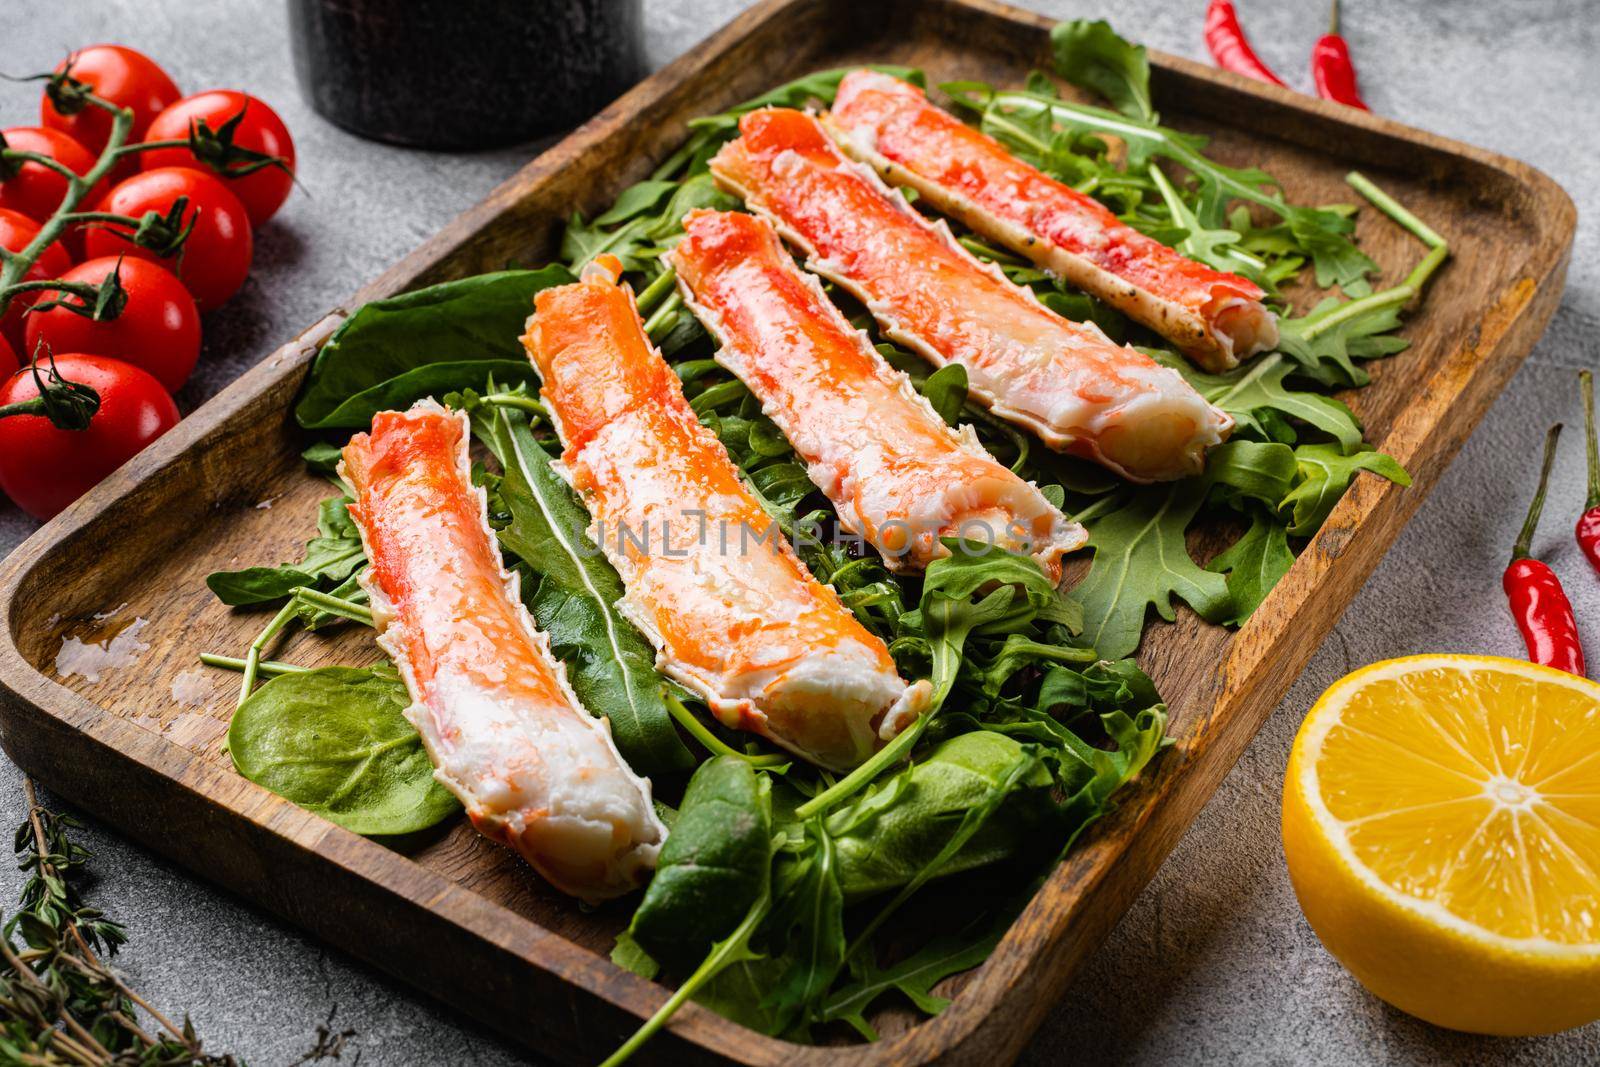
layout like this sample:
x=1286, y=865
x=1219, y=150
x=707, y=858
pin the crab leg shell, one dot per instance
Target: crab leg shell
x=505, y=733
x=733, y=613
x=1067, y=382
x=898, y=475
x=1215, y=317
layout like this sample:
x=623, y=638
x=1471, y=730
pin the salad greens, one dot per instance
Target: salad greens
x=336, y=742
x=776, y=891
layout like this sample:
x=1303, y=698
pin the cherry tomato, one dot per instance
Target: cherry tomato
x=16, y=230
x=126, y=78
x=43, y=468
x=214, y=260
x=8, y=359
x=261, y=130
x=36, y=190
x=157, y=331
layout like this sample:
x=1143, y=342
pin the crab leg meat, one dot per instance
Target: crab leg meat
x=898, y=475
x=1065, y=381
x=711, y=582
x=1216, y=318
x=505, y=732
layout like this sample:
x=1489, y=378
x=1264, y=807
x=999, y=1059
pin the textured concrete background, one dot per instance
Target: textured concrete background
x=1213, y=963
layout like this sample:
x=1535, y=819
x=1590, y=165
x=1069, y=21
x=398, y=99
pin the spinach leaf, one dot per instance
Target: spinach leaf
x=331, y=559
x=573, y=599
x=712, y=868
x=426, y=343
x=336, y=742
x=1090, y=55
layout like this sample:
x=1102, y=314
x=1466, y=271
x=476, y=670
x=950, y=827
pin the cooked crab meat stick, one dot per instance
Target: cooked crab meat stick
x=1216, y=318
x=1065, y=381
x=505, y=733
x=898, y=475
x=711, y=582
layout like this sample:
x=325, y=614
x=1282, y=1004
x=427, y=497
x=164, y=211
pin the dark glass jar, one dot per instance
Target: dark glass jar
x=463, y=73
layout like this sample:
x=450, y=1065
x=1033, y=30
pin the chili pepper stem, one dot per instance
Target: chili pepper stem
x=1525, y=539
x=1591, y=447
x=1333, y=19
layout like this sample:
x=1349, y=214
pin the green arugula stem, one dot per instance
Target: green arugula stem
x=885, y=757
x=710, y=741
x=333, y=605
x=518, y=401
x=719, y=957
x=1394, y=209
x=15, y=267
x=664, y=318
x=1424, y=270
x=983, y=251
x=269, y=668
x=656, y=291
x=252, y=658
x=301, y=597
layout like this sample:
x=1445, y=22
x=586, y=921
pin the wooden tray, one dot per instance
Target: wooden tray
x=466, y=921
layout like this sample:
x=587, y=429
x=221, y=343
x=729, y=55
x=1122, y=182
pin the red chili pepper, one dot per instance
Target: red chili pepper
x=1331, y=69
x=1229, y=46
x=1589, y=522
x=1538, y=603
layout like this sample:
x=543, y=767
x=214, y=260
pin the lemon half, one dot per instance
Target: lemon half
x=1441, y=821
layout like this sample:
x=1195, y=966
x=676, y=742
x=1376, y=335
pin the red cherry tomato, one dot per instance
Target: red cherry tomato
x=157, y=331
x=16, y=230
x=126, y=78
x=36, y=190
x=215, y=259
x=8, y=359
x=261, y=130
x=43, y=468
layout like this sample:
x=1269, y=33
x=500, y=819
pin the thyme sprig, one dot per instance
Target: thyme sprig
x=60, y=1003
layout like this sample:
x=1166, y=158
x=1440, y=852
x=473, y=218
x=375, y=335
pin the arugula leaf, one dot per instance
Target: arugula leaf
x=609, y=664
x=1090, y=55
x=1257, y=388
x=332, y=557
x=1331, y=336
x=1325, y=474
x=425, y=343
x=1142, y=561
x=891, y=835
x=336, y=742
x=713, y=866
x=1040, y=125
x=1254, y=564
x=916, y=975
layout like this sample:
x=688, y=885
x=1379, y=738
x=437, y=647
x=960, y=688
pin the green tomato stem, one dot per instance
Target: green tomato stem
x=40, y=158
x=15, y=267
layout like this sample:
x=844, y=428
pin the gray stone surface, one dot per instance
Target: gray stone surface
x=1213, y=963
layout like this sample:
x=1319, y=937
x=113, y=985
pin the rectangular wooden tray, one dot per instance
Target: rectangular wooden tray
x=466, y=921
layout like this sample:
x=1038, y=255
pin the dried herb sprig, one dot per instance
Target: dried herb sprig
x=60, y=1004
